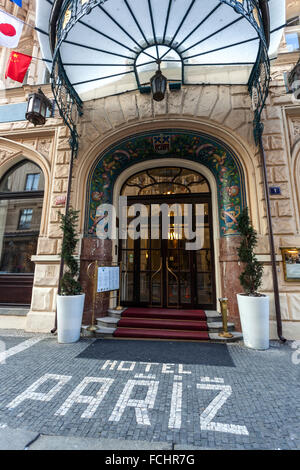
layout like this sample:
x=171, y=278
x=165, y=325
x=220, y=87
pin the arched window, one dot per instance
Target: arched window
x=21, y=200
x=166, y=180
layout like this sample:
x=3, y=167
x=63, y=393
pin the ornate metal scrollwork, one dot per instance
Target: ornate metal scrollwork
x=68, y=101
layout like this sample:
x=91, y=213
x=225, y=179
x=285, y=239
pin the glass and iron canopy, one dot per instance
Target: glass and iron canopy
x=99, y=48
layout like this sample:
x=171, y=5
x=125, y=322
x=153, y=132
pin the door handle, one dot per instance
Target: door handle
x=177, y=281
x=170, y=270
x=159, y=269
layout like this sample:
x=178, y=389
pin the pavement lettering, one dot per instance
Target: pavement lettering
x=127, y=398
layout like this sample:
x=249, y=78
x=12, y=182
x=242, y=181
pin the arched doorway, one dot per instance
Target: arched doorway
x=205, y=154
x=158, y=267
x=21, y=201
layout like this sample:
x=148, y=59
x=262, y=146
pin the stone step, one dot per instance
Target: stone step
x=216, y=326
x=106, y=332
x=212, y=315
x=107, y=322
x=112, y=312
x=214, y=337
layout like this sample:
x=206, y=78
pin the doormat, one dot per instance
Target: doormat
x=170, y=352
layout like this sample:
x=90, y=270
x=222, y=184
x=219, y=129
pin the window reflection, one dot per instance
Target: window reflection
x=20, y=216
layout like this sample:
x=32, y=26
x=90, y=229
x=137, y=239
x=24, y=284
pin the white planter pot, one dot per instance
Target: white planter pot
x=69, y=317
x=254, y=314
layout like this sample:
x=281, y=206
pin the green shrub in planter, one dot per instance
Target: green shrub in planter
x=251, y=277
x=69, y=284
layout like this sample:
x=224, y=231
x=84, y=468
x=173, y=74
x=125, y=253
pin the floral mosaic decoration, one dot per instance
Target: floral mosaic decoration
x=192, y=146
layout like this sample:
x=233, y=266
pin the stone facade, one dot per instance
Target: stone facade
x=223, y=112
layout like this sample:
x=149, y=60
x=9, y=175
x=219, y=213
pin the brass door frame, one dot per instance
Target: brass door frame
x=161, y=284
x=177, y=280
x=192, y=198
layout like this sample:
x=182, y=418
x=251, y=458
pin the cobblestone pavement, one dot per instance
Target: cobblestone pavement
x=250, y=401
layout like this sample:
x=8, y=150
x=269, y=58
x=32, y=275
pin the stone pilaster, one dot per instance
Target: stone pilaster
x=230, y=270
x=93, y=249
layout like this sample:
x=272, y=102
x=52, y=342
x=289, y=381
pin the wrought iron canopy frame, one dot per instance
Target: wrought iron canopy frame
x=256, y=12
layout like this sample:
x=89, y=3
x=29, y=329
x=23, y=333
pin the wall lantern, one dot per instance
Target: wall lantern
x=158, y=85
x=37, y=107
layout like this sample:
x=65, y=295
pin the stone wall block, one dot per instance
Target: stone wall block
x=89, y=132
x=42, y=298
x=273, y=112
x=46, y=246
x=280, y=174
x=241, y=101
x=239, y=90
x=246, y=132
x=99, y=117
x=160, y=107
x=61, y=157
x=292, y=241
x=191, y=99
x=63, y=144
x=275, y=157
x=54, y=215
x=62, y=171
x=57, y=185
x=54, y=231
x=276, y=142
x=263, y=246
x=267, y=284
x=266, y=142
x=285, y=208
x=284, y=307
x=174, y=101
x=283, y=99
x=283, y=225
x=46, y=275
x=222, y=106
x=114, y=111
x=129, y=106
x=208, y=100
x=272, y=126
x=63, y=131
x=144, y=104
x=235, y=118
x=294, y=304
x=64, y=188
x=270, y=174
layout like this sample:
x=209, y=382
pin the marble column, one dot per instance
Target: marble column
x=93, y=249
x=231, y=268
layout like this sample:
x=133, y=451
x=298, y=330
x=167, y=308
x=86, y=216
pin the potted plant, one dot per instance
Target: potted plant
x=253, y=306
x=70, y=302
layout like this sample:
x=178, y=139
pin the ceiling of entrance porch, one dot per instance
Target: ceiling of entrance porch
x=115, y=47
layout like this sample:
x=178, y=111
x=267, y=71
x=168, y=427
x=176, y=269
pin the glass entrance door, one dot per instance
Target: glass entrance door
x=159, y=271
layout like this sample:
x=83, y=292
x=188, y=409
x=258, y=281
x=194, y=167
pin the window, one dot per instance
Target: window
x=32, y=182
x=167, y=181
x=292, y=40
x=25, y=219
x=21, y=201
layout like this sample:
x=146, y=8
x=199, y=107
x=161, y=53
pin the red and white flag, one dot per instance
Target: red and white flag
x=10, y=30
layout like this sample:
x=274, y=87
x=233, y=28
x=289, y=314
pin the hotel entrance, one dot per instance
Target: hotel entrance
x=159, y=268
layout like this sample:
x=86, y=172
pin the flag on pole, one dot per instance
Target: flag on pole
x=17, y=66
x=10, y=30
x=17, y=2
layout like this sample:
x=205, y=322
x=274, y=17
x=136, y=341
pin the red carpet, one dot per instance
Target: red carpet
x=135, y=312
x=162, y=324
